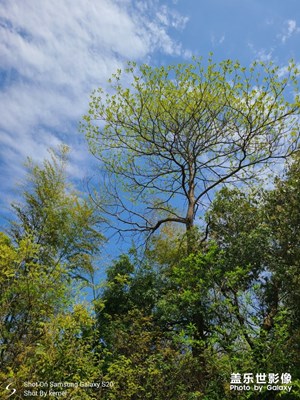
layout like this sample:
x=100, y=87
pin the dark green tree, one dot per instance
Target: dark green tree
x=256, y=276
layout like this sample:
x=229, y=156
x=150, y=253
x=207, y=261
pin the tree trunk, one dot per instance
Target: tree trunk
x=190, y=215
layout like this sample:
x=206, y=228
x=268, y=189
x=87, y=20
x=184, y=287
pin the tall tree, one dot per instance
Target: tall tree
x=174, y=134
x=57, y=217
x=52, y=239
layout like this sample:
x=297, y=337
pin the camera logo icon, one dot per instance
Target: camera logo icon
x=12, y=389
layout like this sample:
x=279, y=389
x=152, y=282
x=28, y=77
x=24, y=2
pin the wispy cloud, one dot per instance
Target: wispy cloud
x=217, y=40
x=290, y=28
x=171, y=18
x=53, y=55
x=285, y=70
x=221, y=40
x=261, y=54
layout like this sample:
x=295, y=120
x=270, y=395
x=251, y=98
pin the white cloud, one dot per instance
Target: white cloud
x=215, y=41
x=264, y=55
x=221, y=40
x=53, y=53
x=171, y=18
x=261, y=54
x=286, y=69
x=290, y=28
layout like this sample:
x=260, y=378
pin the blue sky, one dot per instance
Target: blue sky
x=53, y=53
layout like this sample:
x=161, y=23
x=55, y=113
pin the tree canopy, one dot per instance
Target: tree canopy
x=170, y=136
x=58, y=219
